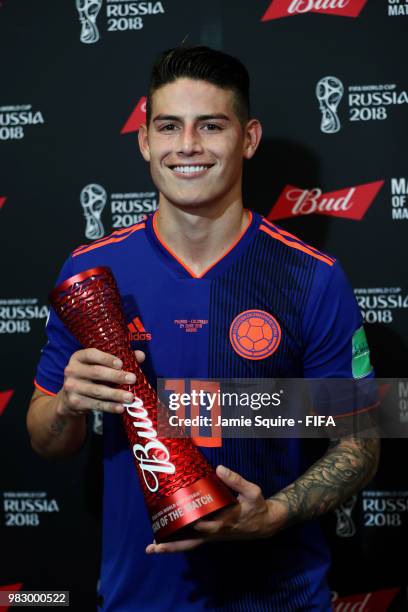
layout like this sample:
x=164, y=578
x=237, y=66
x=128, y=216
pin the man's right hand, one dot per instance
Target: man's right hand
x=57, y=425
x=89, y=381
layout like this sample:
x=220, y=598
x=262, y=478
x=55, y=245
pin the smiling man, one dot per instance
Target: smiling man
x=202, y=257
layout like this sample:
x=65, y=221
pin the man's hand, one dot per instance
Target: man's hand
x=252, y=517
x=87, y=383
x=57, y=425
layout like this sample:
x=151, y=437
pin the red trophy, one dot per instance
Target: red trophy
x=178, y=483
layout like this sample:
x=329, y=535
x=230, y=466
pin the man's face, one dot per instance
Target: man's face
x=195, y=144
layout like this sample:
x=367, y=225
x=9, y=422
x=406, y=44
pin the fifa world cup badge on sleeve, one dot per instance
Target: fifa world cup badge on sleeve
x=178, y=483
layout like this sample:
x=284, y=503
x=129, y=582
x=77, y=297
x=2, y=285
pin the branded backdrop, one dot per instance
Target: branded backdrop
x=330, y=86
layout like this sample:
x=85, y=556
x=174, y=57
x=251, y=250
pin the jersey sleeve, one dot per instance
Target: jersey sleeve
x=56, y=353
x=336, y=347
x=335, y=344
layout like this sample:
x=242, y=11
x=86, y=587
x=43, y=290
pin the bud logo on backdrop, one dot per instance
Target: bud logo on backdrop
x=345, y=526
x=385, y=508
x=15, y=119
x=349, y=203
x=126, y=209
x=136, y=118
x=363, y=102
x=397, y=8
x=2, y=201
x=381, y=304
x=399, y=192
x=24, y=509
x=5, y=397
x=119, y=16
x=17, y=315
x=374, y=601
x=288, y=8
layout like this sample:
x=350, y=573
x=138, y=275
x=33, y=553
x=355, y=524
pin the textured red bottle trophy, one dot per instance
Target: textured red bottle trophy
x=178, y=483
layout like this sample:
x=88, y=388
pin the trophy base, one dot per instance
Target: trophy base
x=173, y=516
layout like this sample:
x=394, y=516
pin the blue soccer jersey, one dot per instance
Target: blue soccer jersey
x=188, y=325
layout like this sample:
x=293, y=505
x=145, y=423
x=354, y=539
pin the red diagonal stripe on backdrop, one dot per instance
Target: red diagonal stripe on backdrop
x=137, y=117
x=280, y=8
x=360, y=202
x=10, y=587
x=2, y=202
x=5, y=397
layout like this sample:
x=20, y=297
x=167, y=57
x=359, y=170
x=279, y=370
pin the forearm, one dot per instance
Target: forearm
x=346, y=467
x=51, y=434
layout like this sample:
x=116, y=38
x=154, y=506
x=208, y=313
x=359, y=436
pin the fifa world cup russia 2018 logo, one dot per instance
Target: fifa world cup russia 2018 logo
x=255, y=334
x=345, y=527
x=329, y=92
x=93, y=199
x=88, y=11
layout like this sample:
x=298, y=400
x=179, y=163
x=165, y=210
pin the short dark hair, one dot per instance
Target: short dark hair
x=202, y=64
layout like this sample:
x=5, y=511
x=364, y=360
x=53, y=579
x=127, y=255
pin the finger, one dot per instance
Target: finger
x=140, y=356
x=208, y=527
x=96, y=391
x=237, y=483
x=173, y=547
x=93, y=355
x=75, y=404
x=100, y=373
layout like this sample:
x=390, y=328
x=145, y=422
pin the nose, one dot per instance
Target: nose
x=189, y=142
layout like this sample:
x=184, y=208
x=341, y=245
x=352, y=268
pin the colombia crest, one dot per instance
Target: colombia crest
x=255, y=334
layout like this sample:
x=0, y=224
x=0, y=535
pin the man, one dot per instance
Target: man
x=203, y=257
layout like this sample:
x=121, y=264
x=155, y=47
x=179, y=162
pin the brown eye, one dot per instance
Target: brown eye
x=212, y=127
x=169, y=127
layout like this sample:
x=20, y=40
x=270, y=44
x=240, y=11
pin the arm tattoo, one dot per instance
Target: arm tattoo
x=346, y=467
x=58, y=426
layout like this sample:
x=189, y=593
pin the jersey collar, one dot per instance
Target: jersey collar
x=216, y=268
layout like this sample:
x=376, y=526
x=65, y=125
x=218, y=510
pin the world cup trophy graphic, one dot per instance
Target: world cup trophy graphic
x=93, y=200
x=178, y=483
x=88, y=11
x=345, y=527
x=329, y=92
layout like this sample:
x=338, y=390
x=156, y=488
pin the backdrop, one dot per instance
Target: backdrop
x=329, y=84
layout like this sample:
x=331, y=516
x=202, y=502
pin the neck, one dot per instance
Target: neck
x=199, y=238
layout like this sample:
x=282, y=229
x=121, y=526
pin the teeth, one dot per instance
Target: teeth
x=189, y=169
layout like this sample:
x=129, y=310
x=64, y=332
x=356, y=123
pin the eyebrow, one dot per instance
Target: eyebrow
x=198, y=118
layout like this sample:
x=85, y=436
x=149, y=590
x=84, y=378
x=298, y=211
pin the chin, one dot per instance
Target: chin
x=188, y=202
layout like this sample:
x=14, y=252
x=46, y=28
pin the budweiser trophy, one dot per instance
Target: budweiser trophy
x=178, y=483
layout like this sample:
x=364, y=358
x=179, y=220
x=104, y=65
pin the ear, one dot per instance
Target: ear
x=144, y=142
x=252, y=138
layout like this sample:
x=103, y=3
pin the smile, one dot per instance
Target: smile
x=191, y=170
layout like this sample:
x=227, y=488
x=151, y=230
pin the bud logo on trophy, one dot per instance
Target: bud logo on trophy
x=93, y=200
x=329, y=92
x=178, y=483
x=88, y=11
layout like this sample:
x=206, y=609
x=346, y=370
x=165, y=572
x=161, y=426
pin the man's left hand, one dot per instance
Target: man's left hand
x=252, y=517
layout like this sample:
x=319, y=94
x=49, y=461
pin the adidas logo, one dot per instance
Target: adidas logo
x=137, y=331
